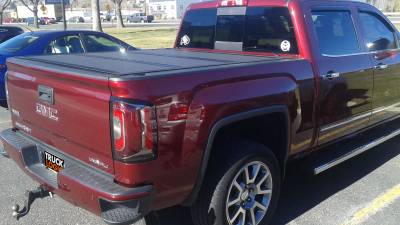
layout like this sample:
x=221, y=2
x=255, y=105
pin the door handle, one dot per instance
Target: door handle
x=331, y=76
x=381, y=66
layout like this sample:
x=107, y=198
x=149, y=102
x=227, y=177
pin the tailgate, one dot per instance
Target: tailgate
x=67, y=111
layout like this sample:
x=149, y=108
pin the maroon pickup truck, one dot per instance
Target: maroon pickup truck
x=212, y=123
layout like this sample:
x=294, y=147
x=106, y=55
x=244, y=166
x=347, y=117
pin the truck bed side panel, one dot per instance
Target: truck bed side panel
x=212, y=95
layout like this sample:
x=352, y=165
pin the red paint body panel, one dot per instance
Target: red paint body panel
x=212, y=95
x=83, y=128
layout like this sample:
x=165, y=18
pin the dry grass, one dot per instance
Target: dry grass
x=145, y=37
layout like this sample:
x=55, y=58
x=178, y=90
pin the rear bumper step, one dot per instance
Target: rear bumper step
x=78, y=183
x=342, y=152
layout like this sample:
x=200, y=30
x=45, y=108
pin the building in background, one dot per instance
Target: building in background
x=163, y=9
x=51, y=11
x=169, y=9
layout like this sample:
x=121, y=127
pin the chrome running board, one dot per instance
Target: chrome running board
x=355, y=152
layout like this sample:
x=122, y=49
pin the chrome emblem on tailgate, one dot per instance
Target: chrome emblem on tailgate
x=47, y=111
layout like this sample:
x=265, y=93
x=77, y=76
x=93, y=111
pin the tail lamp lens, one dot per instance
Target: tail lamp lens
x=119, y=136
x=230, y=3
x=178, y=111
x=134, y=132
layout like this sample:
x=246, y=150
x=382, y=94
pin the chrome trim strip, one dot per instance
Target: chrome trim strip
x=355, y=152
x=362, y=53
x=231, y=11
x=345, y=121
x=358, y=117
x=378, y=110
x=227, y=45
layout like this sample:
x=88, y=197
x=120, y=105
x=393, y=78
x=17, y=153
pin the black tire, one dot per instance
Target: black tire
x=209, y=208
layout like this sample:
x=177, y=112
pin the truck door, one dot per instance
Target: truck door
x=381, y=40
x=346, y=77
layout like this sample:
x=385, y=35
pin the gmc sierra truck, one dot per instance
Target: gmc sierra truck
x=212, y=123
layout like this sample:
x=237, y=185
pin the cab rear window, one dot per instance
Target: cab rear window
x=198, y=29
x=258, y=29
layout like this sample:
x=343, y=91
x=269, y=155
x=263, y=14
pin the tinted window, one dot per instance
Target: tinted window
x=97, y=43
x=66, y=45
x=17, y=43
x=378, y=34
x=336, y=33
x=230, y=28
x=198, y=29
x=270, y=30
x=9, y=32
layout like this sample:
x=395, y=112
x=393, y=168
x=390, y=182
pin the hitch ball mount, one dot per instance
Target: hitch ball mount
x=30, y=197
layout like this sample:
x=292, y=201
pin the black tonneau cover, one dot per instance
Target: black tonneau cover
x=138, y=62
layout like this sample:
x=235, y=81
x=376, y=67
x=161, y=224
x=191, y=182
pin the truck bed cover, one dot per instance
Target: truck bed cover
x=138, y=63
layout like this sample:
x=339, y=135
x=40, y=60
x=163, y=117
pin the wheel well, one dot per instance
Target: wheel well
x=268, y=126
x=270, y=130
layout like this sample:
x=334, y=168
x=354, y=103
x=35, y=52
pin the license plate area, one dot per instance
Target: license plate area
x=53, y=162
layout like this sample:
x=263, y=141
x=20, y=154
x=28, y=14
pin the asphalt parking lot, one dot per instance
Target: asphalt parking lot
x=364, y=190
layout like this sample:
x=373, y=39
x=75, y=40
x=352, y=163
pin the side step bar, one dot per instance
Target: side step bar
x=355, y=152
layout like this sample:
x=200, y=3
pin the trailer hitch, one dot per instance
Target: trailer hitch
x=2, y=151
x=30, y=197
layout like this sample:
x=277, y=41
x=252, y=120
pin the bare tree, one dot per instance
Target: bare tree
x=120, y=22
x=3, y=5
x=32, y=5
x=96, y=16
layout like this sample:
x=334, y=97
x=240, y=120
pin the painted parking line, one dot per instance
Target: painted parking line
x=375, y=206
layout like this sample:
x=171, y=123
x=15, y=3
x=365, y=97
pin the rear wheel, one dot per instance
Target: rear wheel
x=242, y=189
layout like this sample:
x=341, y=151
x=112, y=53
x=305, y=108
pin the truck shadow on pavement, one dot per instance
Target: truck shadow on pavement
x=302, y=191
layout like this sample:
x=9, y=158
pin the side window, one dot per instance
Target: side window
x=379, y=35
x=65, y=45
x=97, y=43
x=336, y=33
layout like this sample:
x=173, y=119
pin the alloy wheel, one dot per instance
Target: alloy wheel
x=249, y=195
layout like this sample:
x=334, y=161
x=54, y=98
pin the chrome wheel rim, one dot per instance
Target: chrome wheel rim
x=249, y=195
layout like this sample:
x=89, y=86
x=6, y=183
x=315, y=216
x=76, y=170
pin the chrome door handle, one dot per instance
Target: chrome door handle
x=330, y=76
x=381, y=67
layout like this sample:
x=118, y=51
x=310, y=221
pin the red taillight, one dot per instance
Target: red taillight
x=134, y=132
x=178, y=111
x=118, y=128
x=230, y=3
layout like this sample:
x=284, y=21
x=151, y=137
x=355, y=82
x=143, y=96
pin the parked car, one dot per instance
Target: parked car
x=10, y=20
x=47, y=20
x=140, y=18
x=8, y=32
x=105, y=17
x=44, y=20
x=56, y=42
x=30, y=21
x=213, y=123
x=76, y=19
